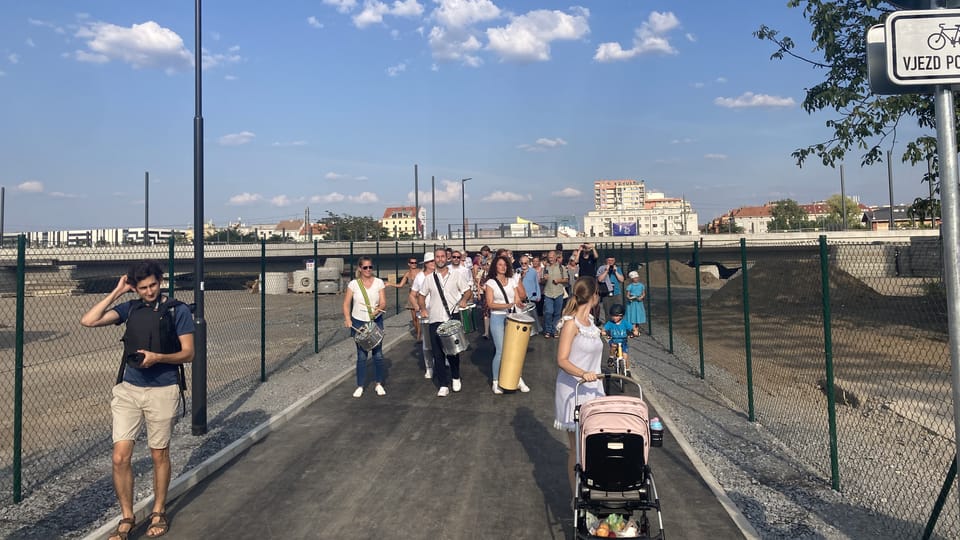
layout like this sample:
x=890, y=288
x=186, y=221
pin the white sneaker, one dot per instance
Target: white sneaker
x=444, y=392
x=380, y=390
x=496, y=388
x=428, y=374
x=523, y=386
x=358, y=392
x=456, y=385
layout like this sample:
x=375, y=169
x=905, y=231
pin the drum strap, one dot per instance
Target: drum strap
x=443, y=298
x=366, y=299
x=504, y=291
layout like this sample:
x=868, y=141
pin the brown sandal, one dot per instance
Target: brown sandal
x=161, y=524
x=122, y=535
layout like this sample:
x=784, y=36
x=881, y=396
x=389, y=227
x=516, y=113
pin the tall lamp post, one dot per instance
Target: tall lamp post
x=463, y=211
x=198, y=370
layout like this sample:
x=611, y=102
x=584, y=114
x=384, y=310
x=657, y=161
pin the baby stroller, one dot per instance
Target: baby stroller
x=614, y=488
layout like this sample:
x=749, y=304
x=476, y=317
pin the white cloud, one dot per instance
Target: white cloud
x=14, y=58
x=47, y=24
x=685, y=140
x=31, y=186
x=30, y=42
x=528, y=37
x=291, y=143
x=568, y=192
x=714, y=156
x=374, y=11
x=281, y=200
x=393, y=71
x=314, y=22
x=364, y=198
x=506, y=196
x=543, y=144
x=62, y=195
x=721, y=80
x=329, y=198
x=690, y=37
x=236, y=139
x=343, y=6
x=3, y=73
x=212, y=60
x=749, y=99
x=146, y=45
x=448, y=191
x=649, y=38
x=455, y=46
x=461, y=13
x=361, y=178
x=229, y=77
x=334, y=176
x=245, y=198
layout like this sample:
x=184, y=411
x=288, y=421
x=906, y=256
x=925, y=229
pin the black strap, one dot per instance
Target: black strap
x=443, y=298
x=502, y=290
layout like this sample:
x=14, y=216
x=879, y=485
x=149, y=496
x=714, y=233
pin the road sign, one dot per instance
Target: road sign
x=923, y=47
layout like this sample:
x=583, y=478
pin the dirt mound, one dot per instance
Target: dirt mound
x=681, y=275
x=778, y=284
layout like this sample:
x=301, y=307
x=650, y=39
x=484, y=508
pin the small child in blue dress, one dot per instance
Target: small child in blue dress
x=618, y=330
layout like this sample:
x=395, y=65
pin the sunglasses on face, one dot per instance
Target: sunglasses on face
x=411, y=262
x=366, y=267
x=456, y=257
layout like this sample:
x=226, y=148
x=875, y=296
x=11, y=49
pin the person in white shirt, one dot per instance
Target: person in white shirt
x=365, y=301
x=447, y=292
x=502, y=291
x=428, y=267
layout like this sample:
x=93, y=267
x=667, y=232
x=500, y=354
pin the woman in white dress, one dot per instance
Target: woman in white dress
x=578, y=356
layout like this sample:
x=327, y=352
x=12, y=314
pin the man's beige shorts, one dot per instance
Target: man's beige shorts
x=133, y=405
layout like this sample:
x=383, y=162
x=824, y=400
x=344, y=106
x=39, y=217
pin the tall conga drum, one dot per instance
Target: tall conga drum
x=516, y=337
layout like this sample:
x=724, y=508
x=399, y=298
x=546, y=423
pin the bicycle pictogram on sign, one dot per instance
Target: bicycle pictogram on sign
x=938, y=40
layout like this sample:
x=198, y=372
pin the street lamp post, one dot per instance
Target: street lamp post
x=463, y=210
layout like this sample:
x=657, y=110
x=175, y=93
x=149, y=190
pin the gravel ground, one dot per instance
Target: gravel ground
x=779, y=495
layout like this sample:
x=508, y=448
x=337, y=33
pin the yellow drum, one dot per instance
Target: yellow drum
x=516, y=337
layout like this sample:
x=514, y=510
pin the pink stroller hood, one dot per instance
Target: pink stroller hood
x=614, y=414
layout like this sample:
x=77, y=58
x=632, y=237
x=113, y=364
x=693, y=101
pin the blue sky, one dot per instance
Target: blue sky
x=328, y=104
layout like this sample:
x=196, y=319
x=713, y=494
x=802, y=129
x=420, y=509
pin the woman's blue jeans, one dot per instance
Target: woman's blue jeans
x=498, y=323
x=362, y=354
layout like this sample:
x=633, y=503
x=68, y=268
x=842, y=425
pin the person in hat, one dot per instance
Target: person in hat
x=415, y=288
x=636, y=293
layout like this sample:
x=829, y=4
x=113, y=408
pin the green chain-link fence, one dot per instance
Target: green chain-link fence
x=852, y=377
x=55, y=393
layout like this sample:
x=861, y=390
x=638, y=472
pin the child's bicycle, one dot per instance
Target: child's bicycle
x=617, y=365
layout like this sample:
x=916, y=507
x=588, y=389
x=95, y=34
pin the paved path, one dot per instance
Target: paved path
x=412, y=465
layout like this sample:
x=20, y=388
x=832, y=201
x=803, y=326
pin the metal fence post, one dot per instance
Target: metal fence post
x=666, y=247
x=351, y=259
x=18, y=374
x=263, y=310
x=941, y=499
x=316, y=300
x=746, y=328
x=172, y=269
x=696, y=266
x=828, y=357
x=646, y=259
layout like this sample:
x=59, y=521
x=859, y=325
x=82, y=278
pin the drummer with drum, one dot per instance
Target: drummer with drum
x=503, y=292
x=449, y=292
x=363, y=308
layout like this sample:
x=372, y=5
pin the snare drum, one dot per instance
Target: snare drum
x=368, y=336
x=468, y=317
x=530, y=309
x=452, y=337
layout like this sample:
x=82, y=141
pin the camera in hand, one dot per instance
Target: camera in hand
x=135, y=359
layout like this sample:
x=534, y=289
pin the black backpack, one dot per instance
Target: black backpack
x=153, y=328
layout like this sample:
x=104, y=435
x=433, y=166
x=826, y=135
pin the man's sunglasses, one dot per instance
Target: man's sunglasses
x=456, y=257
x=411, y=262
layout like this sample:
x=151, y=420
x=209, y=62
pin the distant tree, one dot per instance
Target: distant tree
x=863, y=121
x=787, y=215
x=345, y=227
x=231, y=235
x=834, y=203
x=923, y=208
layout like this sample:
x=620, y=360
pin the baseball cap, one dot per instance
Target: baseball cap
x=428, y=257
x=633, y=274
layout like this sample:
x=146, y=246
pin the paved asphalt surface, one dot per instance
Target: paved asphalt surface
x=413, y=465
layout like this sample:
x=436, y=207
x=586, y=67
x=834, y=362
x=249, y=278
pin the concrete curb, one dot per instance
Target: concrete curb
x=189, y=479
x=736, y=515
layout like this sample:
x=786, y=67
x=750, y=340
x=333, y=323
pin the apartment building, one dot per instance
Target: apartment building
x=626, y=208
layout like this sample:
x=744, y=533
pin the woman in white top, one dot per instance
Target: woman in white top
x=501, y=292
x=357, y=312
x=578, y=357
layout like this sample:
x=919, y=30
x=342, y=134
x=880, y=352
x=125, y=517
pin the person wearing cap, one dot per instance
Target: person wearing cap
x=448, y=293
x=428, y=267
x=636, y=293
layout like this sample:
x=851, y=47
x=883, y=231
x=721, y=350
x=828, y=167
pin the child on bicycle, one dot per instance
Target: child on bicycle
x=617, y=329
